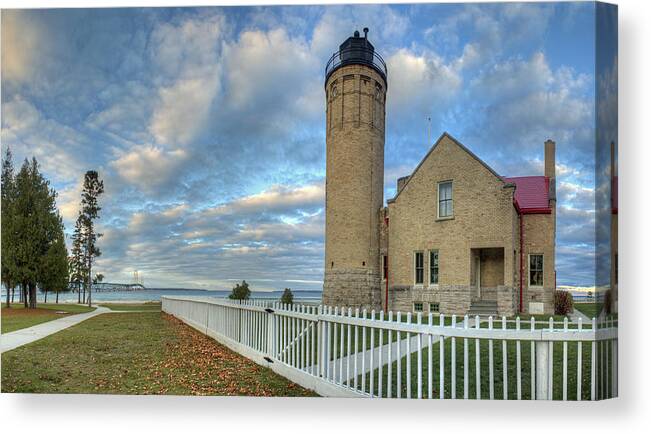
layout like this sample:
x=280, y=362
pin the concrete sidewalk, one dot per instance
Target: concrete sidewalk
x=576, y=314
x=339, y=367
x=9, y=341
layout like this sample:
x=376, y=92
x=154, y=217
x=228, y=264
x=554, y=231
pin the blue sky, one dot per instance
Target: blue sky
x=207, y=124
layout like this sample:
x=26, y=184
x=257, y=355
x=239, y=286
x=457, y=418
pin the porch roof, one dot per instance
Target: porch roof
x=531, y=194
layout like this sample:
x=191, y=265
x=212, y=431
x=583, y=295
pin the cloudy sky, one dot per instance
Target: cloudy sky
x=207, y=124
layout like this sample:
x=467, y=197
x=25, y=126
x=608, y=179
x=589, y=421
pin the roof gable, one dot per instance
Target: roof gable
x=438, y=141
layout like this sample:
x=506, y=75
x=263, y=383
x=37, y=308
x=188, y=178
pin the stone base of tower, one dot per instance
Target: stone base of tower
x=352, y=288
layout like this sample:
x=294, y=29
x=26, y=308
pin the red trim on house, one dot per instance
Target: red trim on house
x=521, y=215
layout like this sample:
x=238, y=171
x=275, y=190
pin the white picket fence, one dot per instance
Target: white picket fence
x=341, y=352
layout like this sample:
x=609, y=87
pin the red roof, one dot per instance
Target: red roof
x=531, y=194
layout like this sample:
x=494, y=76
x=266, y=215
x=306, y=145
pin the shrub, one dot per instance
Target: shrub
x=563, y=302
x=287, y=297
x=241, y=291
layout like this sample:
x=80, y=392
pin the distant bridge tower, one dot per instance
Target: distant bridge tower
x=355, y=87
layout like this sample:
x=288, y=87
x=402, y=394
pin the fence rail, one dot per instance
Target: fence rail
x=345, y=352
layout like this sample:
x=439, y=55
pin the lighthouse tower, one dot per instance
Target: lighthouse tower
x=355, y=88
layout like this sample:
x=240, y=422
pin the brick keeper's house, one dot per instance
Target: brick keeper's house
x=457, y=237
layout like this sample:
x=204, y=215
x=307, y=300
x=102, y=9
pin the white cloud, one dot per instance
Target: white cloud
x=184, y=109
x=28, y=133
x=188, y=59
x=278, y=198
x=419, y=82
x=148, y=167
x=515, y=78
x=272, y=70
x=21, y=44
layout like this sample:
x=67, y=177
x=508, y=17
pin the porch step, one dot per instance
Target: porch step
x=483, y=308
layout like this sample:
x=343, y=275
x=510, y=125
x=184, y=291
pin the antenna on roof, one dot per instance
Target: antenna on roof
x=429, y=131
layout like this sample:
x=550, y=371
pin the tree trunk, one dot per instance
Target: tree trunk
x=32, y=296
x=46, y=295
x=23, y=292
x=57, y=302
x=78, y=293
x=90, y=280
x=8, y=299
x=13, y=294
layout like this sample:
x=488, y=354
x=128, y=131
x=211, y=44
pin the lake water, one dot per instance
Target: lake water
x=154, y=294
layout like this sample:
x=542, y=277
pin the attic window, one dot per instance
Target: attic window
x=445, y=200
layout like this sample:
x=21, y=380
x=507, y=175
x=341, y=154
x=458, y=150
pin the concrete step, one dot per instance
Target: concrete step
x=483, y=308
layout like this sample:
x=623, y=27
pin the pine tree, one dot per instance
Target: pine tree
x=55, y=275
x=7, y=268
x=78, y=259
x=36, y=226
x=93, y=188
x=241, y=291
x=287, y=297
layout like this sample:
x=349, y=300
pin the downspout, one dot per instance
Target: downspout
x=521, y=216
x=386, y=282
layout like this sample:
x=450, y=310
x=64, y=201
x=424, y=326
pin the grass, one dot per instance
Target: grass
x=128, y=307
x=498, y=384
x=17, y=317
x=591, y=310
x=137, y=353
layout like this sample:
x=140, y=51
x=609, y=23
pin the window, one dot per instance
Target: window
x=418, y=307
x=433, y=307
x=445, y=199
x=535, y=270
x=434, y=267
x=418, y=268
x=385, y=267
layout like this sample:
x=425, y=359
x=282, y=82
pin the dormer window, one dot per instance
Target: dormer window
x=445, y=200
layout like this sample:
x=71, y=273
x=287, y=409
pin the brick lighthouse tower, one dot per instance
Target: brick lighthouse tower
x=355, y=87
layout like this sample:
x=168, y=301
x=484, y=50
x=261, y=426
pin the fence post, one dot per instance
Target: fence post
x=542, y=370
x=270, y=333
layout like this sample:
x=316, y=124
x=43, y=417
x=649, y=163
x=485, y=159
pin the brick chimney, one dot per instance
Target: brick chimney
x=550, y=167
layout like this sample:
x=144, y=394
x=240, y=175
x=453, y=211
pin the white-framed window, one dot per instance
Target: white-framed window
x=433, y=307
x=446, y=204
x=536, y=268
x=434, y=267
x=418, y=307
x=419, y=268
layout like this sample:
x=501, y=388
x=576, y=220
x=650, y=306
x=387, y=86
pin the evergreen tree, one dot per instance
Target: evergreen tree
x=78, y=259
x=241, y=291
x=7, y=268
x=55, y=275
x=93, y=188
x=287, y=297
x=36, y=226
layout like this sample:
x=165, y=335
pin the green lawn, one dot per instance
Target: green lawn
x=17, y=317
x=137, y=353
x=591, y=310
x=150, y=306
x=498, y=384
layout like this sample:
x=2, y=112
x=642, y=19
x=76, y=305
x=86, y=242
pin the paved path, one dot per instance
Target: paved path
x=339, y=367
x=9, y=341
x=576, y=314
